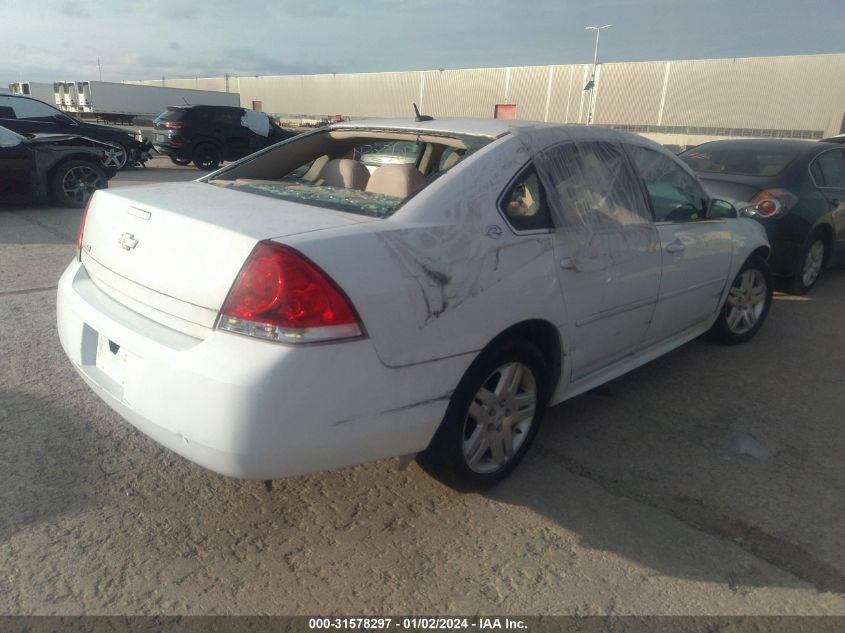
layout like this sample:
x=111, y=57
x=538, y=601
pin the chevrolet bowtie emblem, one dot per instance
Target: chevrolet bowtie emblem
x=127, y=241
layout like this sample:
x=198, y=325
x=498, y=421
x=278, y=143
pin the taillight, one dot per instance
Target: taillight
x=178, y=125
x=771, y=203
x=82, y=230
x=281, y=295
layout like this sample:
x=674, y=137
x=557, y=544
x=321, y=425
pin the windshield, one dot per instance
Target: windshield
x=741, y=161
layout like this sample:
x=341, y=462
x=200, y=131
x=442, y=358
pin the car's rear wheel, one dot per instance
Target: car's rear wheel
x=207, y=156
x=810, y=263
x=180, y=161
x=747, y=305
x=75, y=181
x=492, y=418
x=116, y=156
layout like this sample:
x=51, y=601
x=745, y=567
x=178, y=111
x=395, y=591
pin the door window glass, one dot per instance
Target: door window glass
x=32, y=109
x=227, y=117
x=675, y=195
x=828, y=169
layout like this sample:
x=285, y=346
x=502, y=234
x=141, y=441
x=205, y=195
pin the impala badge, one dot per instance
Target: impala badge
x=127, y=241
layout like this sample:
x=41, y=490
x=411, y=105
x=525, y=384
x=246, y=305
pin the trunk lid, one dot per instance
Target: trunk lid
x=172, y=252
x=735, y=188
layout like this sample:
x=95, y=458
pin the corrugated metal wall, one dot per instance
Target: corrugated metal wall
x=630, y=93
x=797, y=93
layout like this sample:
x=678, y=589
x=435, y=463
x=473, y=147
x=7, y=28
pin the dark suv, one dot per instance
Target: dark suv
x=207, y=135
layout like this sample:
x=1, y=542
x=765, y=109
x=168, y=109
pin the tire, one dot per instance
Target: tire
x=809, y=264
x=746, y=306
x=75, y=181
x=207, y=157
x=116, y=157
x=180, y=161
x=470, y=449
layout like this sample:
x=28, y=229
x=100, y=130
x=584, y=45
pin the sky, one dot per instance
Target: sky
x=51, y=40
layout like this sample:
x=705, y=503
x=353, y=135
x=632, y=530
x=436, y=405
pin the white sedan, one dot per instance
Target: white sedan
x=293, y=312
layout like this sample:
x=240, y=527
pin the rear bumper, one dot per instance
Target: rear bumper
x=169, y=150
x=246, y=408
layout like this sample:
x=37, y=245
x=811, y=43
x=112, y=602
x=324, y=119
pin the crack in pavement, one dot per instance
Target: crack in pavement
x=25, y=291
x=695, y=513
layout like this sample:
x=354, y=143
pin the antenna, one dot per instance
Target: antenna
x=421, y=117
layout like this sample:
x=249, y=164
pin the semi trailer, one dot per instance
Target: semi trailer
x=121, y=103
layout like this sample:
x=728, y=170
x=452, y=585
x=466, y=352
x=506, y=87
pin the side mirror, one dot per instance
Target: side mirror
x=721, y=210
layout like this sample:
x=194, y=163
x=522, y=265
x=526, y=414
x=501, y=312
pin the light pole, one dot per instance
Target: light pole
x=591, y=85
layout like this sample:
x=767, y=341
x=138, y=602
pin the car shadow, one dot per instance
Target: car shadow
x=48, y=458
x=741, y=442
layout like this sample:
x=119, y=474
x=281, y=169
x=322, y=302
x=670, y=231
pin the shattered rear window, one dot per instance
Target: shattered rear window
x=351, y=200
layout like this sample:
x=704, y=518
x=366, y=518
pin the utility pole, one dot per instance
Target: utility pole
x=591, y=85
x=100, y=68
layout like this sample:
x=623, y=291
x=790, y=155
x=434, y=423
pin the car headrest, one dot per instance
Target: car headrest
x=395, y=180
x=344, y=172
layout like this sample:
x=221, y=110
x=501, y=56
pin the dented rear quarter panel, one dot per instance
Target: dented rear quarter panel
x=428, y=282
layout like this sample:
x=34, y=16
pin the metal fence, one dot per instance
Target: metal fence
x=796, y=96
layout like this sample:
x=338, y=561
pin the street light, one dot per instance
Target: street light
x=591, y=85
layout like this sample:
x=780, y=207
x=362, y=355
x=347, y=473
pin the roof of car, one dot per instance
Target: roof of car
x=202, y=106
x=491, y=128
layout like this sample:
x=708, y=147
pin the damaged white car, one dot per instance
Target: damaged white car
x=296, y=311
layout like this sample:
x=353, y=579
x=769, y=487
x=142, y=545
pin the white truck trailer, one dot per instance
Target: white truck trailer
x=41, y=91
x=64, y=96
x=120, y=103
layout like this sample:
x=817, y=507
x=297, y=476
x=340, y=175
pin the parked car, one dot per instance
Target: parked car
x=795, y=189
x=839, y=138
x=207, y=135
x=293, y=312
x=66, y=168
x=26, y=115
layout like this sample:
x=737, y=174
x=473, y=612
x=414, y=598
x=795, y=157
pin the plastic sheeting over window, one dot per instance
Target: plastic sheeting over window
x=257, y=122
x=594, y=195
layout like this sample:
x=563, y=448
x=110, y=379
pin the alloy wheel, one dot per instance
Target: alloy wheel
x=499, y=418
x=813, y=263
x=746, y=301
x=115, y=156
x=80, y=182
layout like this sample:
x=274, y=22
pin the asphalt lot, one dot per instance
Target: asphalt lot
x=711, y=481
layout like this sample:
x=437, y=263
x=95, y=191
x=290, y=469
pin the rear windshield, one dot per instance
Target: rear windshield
x=367, y=172
x=742, y=161
x=171, y=115
x=377, y=205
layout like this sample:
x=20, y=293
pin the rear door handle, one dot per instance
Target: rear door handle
x=675, y=247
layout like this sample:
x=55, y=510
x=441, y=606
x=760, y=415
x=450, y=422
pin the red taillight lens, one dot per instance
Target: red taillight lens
x=177, y=125
x=82, y=229
x=770, y=203
x=282, y=296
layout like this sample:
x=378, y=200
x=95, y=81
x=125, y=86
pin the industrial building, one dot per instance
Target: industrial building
x=678, y=101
